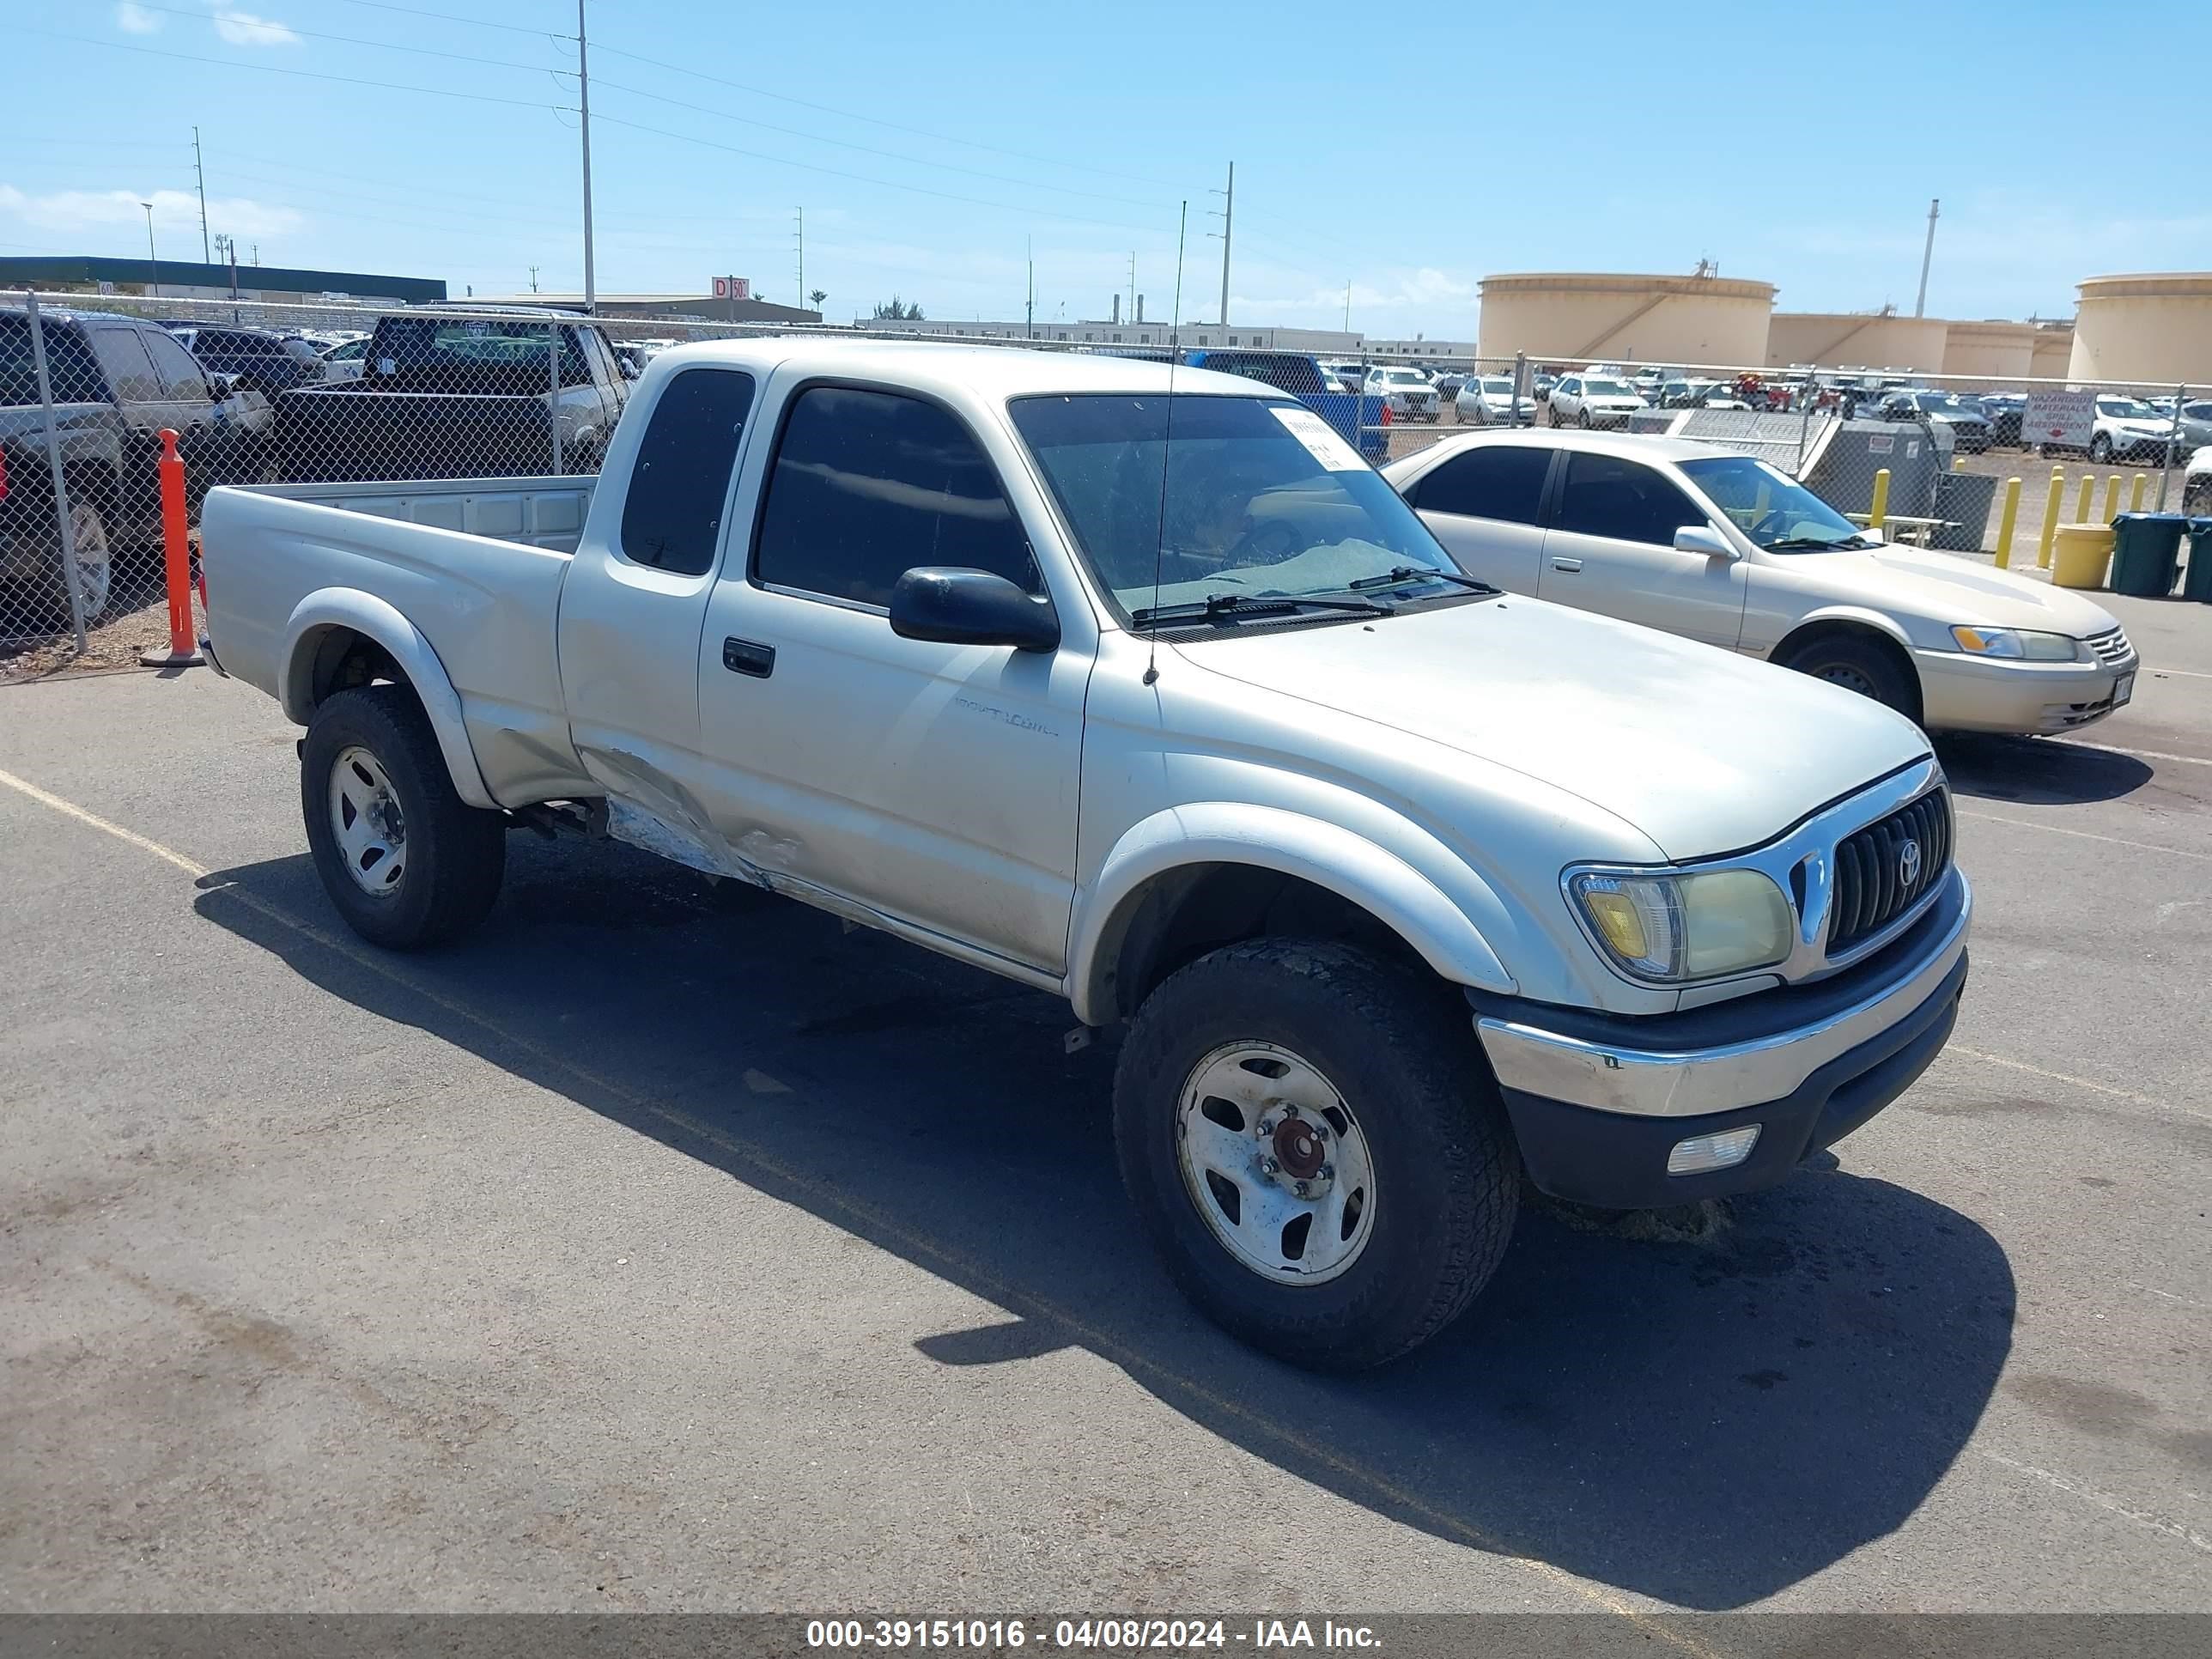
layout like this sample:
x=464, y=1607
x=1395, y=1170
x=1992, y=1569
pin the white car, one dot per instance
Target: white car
x=1488, y=401
x=1405, y=893
x=1724, y=548
x=1406, y=393
x=345, y=362
x=2129, y=429
x=2196, y=483
x=1588, y=400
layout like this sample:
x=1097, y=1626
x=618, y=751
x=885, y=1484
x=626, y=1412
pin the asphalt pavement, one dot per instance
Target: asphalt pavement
x=664, y=1246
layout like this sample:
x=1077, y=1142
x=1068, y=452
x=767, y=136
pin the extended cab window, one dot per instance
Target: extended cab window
x=1497, y=481
x=672, y=514
x=129, y=371
x=1623, y=501
x=867, y=484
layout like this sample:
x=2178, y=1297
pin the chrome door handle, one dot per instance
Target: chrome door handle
x=1568, y=565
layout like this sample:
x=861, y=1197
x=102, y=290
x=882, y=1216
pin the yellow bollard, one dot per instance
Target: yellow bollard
x=2051, y=507
x=2135, y=494
x=1878, y=509
x=2111, y=497
x=2005, y=524
x=2086, y=499
x=1958, y=462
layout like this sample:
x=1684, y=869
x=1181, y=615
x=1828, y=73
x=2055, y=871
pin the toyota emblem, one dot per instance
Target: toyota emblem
x=1908, y=863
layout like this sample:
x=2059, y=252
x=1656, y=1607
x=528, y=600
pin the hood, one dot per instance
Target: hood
x=1957, y=417
x=1946, y=590
x=1702, y=751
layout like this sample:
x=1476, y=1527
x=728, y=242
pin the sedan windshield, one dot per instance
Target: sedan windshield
x=1771, y=506
x=2125, y=409
x=1404, y=377
x=1497, y=388
x=1252, y=498
x=1607, y=389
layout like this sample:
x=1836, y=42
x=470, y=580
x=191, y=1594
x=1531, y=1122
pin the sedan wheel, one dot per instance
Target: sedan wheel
x=1582, y=417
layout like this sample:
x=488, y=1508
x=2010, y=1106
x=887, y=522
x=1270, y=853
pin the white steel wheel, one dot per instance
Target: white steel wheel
x=366, y=822
x=1275, y=1165
x=96, y=560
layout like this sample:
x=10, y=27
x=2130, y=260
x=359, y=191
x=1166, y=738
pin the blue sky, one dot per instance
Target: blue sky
x=1405, y=150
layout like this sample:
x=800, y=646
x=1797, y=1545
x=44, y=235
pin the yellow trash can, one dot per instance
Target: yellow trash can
x=2080, y=555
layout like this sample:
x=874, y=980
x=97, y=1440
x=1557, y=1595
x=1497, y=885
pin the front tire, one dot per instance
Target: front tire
x=1859, y=665
x=1582, y=417
x=406, y=861
x=1315, y=1149
x=2100, y=450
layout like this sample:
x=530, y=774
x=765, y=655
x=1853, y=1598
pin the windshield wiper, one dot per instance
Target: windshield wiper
x=1223, y=607
x=1805, y=543
x=1407, y=573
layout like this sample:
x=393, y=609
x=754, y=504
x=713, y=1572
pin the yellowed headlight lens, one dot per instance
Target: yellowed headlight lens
x=1733, y=920
x=1614, y=913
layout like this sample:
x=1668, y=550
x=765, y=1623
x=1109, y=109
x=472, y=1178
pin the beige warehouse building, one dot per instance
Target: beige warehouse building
x=1876, y=339
x=2155, y=328
x=1577, y=317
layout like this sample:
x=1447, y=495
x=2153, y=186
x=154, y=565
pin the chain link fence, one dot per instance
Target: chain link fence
x=261, y=392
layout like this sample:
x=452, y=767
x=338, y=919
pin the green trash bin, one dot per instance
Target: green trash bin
x=2196, y=580
x=2146, y=547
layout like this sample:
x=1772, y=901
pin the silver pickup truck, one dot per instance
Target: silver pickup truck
x=1162, y=701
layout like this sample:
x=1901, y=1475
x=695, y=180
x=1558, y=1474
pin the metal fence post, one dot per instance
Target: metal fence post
x=2172, y=444
x=54, y=466
x=1523, y=386
x=1804, y=426
x=553, y=403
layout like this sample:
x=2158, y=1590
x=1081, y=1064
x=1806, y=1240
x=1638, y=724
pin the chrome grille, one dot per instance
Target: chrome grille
x=2111, y=647
x=1872, y=886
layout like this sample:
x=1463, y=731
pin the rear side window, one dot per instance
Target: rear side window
x=867, y=484
x=1496, y=481
x=181, y=380
x=129, y=371
x=1624, y=500
x=70, y=368
x=672, y=515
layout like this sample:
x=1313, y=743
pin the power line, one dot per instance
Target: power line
x=382, y=45
x=454, y=17
x=855, y=115
x=862, y=177
x=865, y=149
x=302, y=75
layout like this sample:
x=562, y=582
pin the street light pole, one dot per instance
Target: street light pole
x=584, y=103
x=1926, y=254
x=153, y=261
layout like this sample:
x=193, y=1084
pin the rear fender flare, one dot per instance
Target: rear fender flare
x=330, y=608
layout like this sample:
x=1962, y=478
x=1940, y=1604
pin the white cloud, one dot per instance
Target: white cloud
x=78, y=211
x=243, y=28
x=137, y=20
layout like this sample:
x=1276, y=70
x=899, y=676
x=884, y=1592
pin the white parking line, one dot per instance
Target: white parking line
x=2185, y=673
x=2170, y=1529
x=2045, y=1072
x=2083, y=834
x=2138, y=754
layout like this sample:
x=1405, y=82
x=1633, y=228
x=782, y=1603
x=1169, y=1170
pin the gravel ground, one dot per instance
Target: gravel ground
x=663, y=1246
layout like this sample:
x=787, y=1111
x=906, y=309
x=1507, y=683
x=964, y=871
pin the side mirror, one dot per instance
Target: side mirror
x=956, y=606
x=1705, y=541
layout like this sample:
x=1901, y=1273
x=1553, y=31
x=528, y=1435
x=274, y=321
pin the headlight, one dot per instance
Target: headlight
x=1688, y=926
x=2019, y=644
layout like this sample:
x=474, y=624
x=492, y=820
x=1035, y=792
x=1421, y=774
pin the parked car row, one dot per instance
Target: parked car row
x=1409, y=892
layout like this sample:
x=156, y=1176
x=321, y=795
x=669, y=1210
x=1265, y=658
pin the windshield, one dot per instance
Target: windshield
x=2125, y=409
x=1404, y=377
x=1607, y=389
x=1260, y=498
x=1949, y=403
x=1497, y=388
x=1770, y=507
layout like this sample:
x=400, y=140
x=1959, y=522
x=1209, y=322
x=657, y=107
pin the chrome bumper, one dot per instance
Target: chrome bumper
x=1699, y=1082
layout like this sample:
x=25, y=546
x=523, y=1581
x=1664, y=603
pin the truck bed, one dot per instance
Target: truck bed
x=475, y=564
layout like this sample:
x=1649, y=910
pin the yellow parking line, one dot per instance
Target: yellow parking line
x=957, y=1266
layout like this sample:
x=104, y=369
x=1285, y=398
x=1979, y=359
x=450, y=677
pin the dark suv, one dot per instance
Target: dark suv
x=262, y=361
x=117, y=381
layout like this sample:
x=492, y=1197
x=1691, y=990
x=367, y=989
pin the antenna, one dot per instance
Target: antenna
x=1167, y=448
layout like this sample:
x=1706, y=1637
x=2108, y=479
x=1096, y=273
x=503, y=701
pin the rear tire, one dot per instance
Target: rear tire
x=1859, y=665
x=406, y=861
x=1420, y=1195
x=2100, y=450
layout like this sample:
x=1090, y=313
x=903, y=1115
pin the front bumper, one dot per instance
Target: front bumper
x=1960, y=693
x=1598, y=1102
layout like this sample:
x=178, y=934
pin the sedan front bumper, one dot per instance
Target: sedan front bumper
x=1598, y=1102
x=1960, y=693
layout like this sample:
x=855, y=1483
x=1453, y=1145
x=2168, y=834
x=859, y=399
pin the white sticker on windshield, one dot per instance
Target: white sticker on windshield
x=1320, y=439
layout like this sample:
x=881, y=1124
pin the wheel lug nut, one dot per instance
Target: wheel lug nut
x=1267, y=1126
x=1328, y=1172
x=1271, y=1166
x=1290, y=1110
x=1318, y=1130
x=1301, y=1189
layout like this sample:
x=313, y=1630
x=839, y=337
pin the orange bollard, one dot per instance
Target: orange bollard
x=176, y=560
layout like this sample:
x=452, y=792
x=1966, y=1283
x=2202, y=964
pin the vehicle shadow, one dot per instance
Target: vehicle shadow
x=1705, y=1415
x=2035, y=772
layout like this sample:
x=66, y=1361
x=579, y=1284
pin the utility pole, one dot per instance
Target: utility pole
x=1175, y=317
x=1347, y=305
x=1132, y=285
x=1028, y=314
x=1228, y=227
x=199, y=171
x=1920, y=305
x=152, y=260
x=533, y=279
x=584, y=110
x=799, y=216
x=228, y=247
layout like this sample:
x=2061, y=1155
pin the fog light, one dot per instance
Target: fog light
x=1702, y=1154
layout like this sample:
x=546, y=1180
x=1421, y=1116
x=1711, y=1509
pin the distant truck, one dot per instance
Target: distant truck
x=1357, y=418
x=443, y=395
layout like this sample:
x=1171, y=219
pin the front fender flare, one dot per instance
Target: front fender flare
x=1327, y=855
x=1854, y=615
x=330, y=608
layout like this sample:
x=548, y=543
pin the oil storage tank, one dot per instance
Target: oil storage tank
x=1857, y=339
x=2154, y=329
x=1573, y=318
x=1989, y=356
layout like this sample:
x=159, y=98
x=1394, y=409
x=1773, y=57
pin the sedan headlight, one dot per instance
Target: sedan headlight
x=2016, y=643
x=1680, y=927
